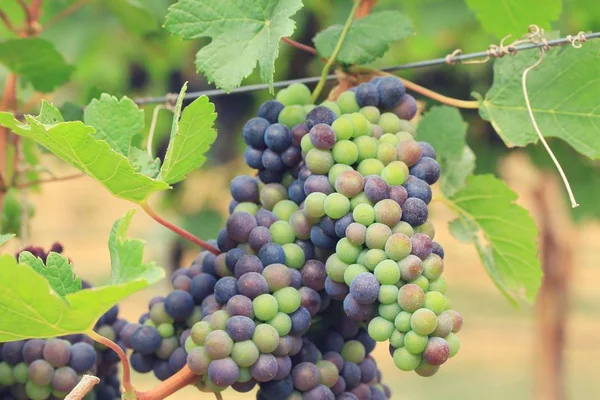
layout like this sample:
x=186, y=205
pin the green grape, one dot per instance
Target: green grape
x=387, y=272
x=421, y=282
x=371, y=113
x=367, y=147
x=21, y=372
x=292, y=115
x=353, y=351
x=361, y=257
x=287, y=179
x=265, y=338
x=346, y=152
x=166, y=330
x=433, y=266
x=306, y=144
x=411, y=297
x=414, y=342
x=284, y=209
x=389, y=311
x=309, y=107
x=356, y=234
x=298, y=93
x=373, y=257
x=265, y=307
x=380, y=329
x=250, y=208
x=388, y=294
x=351, y=271
x=404, y=136
x=346, y=251
x=149, y=322
x=343, y=129
x=403, y=227
x=189, y=345
x=335, y=268
x=159, y=315
x=406, y=361
x=454, y=343
x=282, y=232
x=336, y=205
x=336, y=171
x=426, y=370
x=294, y=255
x=390, y=123
x=438, y=285
x=282, y=323
x=427, y=228
x=386, y=153
x=377, y=235
x=319, y=161
x=423, y=321
x=6, y=374
x=245, y=353
x=395, y=173
x=271, y=194
x=361, y=126
x=195, y=316
x=328, y=372
x=245, y=374
x=288, y=298
x=436, y=302
x=389, y=138
x=35, y=392
x=360, y=198
x=397, y=339
x=314, y=204
x=398, y=246
x=387, y=212
x=218, y=320
x=402, y=321
x=347, y=102
x=406, y=126
x=370, y=166
x=333, y=107
x=363, y=214
x=199, y=332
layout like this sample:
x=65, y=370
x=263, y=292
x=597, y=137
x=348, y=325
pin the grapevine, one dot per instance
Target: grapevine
x=327, y=251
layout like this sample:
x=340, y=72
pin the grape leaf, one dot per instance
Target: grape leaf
x=36, y=60
x=5, y=238
x=244, y=33
x=444, y=128
x=76, y=144
x=191, y=137
x=116, y=121
x=143, y=163
x=509, y=253
x=563, y=92
x=71, y=112
x=367, y=39
x=57, y=270
x=133, y=15
x=49, y=114
x=32, y=309
x=126, y=255
x=513, y=17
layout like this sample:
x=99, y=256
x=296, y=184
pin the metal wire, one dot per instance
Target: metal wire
x=314, y=79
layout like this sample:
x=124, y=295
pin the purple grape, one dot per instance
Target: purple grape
x=278, y=137
x=252, y=285
x=253, y=158
x=367, y=95
x=253, y=132
x=364, y=288
x=418, y=188
x=421, y=245
x=427, y=150
x=414, y=211
x=239, y=226
x=390, y=90
x=223, y=372
x=270, y=110
x=322, y=136
x=320, y=115
x=225, y=289
x=376, y=188
x=426, y=169
x=317, y=183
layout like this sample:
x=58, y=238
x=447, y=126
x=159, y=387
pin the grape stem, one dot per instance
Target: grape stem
x=56, y=179
x=122, y=356
x=365, y=8
x=65, y=13
x=180, y=231
x=336, y=50
x=181, y=379
x=84, y=386
x=219, y=396
x=300, y=46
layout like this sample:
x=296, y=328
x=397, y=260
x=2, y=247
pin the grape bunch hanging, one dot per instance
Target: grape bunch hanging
x=327, y=250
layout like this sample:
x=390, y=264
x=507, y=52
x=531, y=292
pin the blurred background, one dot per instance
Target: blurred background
x=506, y=353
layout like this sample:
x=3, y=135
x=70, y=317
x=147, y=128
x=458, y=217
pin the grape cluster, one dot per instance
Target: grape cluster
x=40, y=369
x=39, y=252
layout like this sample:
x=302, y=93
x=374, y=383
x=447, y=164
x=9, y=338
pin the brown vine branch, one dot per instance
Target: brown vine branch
x=180, y=231
x=7, y=22
x=365, y=8
x=300, y=46
x=26, y=11
x=65, y=13
x=164, y=389
x=57, y=179
x=84, y=386
x=219, y=396
x=122, y=356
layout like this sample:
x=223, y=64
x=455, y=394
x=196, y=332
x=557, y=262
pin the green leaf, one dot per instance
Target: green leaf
x=143, y=163
x=116, y=121
x=368, y=38
x=488, y=210
x=127, y=255
x=71, y=112
x=32, y=309
x=513, y=17
x=58, y=271
x=191, y=137
x=49, y=114
x=444, y=128
x=563, y=92
x=244, y=33
x=36, y=60
x=133, y=15
x=76, y=144
x=5, y=238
